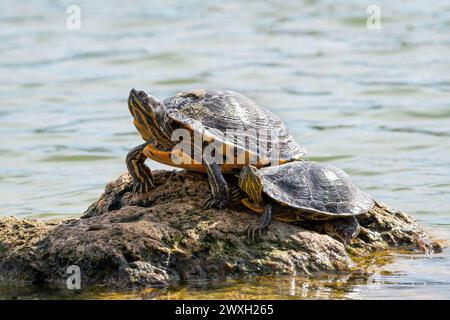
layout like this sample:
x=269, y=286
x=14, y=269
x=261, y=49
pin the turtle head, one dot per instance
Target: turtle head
x=250, y=181
x=150, y=118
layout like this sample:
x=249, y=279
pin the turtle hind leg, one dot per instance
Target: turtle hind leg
x=219, y=197
x=140, y=173
x=235, y=194
x=345, y=229
x=262, y=224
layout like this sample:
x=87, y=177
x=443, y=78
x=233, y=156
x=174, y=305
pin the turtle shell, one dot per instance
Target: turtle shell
x=318, y=189
x=216, y=113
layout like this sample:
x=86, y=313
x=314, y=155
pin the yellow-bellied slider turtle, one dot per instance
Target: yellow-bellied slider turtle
x=305, y=191
x=211, y=114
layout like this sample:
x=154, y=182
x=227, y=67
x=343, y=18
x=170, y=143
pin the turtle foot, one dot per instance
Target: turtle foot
x=262, y=224
x=143, y=187
x=141, y=194
x=213, y=202
x=344, y=229
x=254, y=232
x=234, y=198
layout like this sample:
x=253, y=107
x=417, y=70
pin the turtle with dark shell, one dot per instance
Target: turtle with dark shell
x=210, y=114
x=305, y=191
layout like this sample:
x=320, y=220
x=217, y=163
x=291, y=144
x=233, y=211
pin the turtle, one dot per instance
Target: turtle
x=305, y=191
x=211, y=115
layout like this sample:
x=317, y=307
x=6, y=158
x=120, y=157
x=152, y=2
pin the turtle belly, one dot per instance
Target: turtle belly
x=179, y=159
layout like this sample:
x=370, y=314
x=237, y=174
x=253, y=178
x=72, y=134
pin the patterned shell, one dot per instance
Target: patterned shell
x=217, y=113
x=316, y=188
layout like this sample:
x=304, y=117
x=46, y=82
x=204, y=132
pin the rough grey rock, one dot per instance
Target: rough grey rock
x=173, y=238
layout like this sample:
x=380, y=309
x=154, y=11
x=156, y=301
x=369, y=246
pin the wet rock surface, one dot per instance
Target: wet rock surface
x=172, y=238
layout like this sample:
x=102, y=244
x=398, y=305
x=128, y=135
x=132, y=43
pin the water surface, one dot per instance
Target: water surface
x=374, y=102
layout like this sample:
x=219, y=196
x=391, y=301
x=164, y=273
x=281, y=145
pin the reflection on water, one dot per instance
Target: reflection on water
x=388, y=285
x=375, y=103
x=281, y=287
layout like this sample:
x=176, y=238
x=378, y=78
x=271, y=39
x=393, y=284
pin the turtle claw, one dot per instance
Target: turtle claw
x=213, y=202
x=140, y=193
x=143, y=187
x=262, y=224
x=252, y=231
x=234, y=197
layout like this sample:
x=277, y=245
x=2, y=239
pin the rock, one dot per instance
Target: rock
x=173, y=238
x=18, y=242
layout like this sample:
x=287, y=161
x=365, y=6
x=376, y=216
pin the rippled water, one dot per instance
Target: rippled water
x=373, y=102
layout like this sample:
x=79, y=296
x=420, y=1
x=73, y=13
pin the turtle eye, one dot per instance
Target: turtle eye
x=142, y=94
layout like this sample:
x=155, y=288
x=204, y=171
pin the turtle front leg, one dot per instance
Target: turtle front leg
x=262, y=224
x=345, y=229
x=141, y=174
x=219, y=188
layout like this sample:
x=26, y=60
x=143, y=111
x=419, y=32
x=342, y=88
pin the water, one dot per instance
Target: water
x=373, y=102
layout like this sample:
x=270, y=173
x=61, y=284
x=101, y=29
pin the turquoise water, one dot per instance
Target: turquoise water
x=374, y=102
